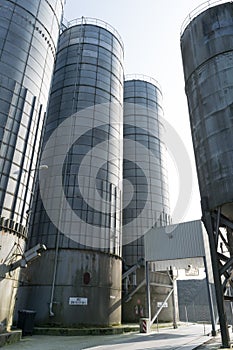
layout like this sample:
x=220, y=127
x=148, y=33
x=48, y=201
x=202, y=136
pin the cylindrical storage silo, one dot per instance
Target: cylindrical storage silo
x=28, y=38
x=145, y=189
x=78, y=212
x=207, y=51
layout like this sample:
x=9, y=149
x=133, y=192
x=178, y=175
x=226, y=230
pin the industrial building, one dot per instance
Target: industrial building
x=145, y=191
x=147, y=171
x=207, y=52
x=28, y=38
x=84, y=146
x=83, y=239
x=100, y=159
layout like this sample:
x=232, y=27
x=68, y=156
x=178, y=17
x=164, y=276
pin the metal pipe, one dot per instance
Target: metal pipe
x=174, y=299
x=131, y=270
x=51, y=313
x=129, y=296
x=148, y=290
x=80, y=48
x=159, y=310
x=209, y=293
x=217, y=224
x=161, y=285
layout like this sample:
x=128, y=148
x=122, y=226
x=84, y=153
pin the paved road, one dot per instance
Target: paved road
x=183, y=338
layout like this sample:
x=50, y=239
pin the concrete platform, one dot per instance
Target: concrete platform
x=120, y=329
x=186, y=337
x=10, y=337
x=85, y=331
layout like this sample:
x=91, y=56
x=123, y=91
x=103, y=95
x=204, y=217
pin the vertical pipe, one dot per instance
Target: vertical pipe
x=148, y=290
x=210, y=299
x=186, y=313
x=174, y=299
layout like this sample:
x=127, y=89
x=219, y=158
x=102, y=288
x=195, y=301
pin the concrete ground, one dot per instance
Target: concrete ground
x=213, y=344
x=186, y=337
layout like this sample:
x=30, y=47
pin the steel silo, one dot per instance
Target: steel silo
x=146, y=172
x=145, y=189
x=207, y=52
x=78, y=212
x=28, y=38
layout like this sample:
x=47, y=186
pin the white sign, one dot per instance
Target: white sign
x=192, y=271
x=78, y=301
x=159, y=304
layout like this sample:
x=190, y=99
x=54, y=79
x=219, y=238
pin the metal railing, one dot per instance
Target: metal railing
x=143, y=77
x=94, y=21
x=199, y=9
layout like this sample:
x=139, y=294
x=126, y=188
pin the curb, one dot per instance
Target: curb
x=84, y=331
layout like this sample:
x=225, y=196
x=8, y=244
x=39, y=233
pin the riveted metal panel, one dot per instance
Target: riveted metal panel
x=28, y=39
x=145, y=191
x=207, y=51
x=87, y=97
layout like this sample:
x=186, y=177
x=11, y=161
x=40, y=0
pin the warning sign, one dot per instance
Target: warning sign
x=78, y=301
x=160, y=303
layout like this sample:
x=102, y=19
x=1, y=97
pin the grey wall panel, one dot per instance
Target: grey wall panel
x=181, y=241
x=102, y=291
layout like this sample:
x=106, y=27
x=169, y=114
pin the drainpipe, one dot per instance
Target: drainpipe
x=51, y=313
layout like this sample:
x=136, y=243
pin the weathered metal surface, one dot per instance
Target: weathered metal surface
x=145, y=193
x=85, y=82
x=136, y=307
x=179, y=241
x=11, y=248
x=178, y=245
x=84, y=244
x=102, y=290
x=207, y=51
x=28, y=36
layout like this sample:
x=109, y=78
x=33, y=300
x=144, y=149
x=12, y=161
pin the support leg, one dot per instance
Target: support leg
x=217, y=280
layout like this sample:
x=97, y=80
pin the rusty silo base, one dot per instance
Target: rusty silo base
x=221, y=263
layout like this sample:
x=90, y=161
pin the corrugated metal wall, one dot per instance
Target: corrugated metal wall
x=185, y=240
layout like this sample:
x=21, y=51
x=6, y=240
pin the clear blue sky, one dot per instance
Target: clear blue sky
x=150, y=30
